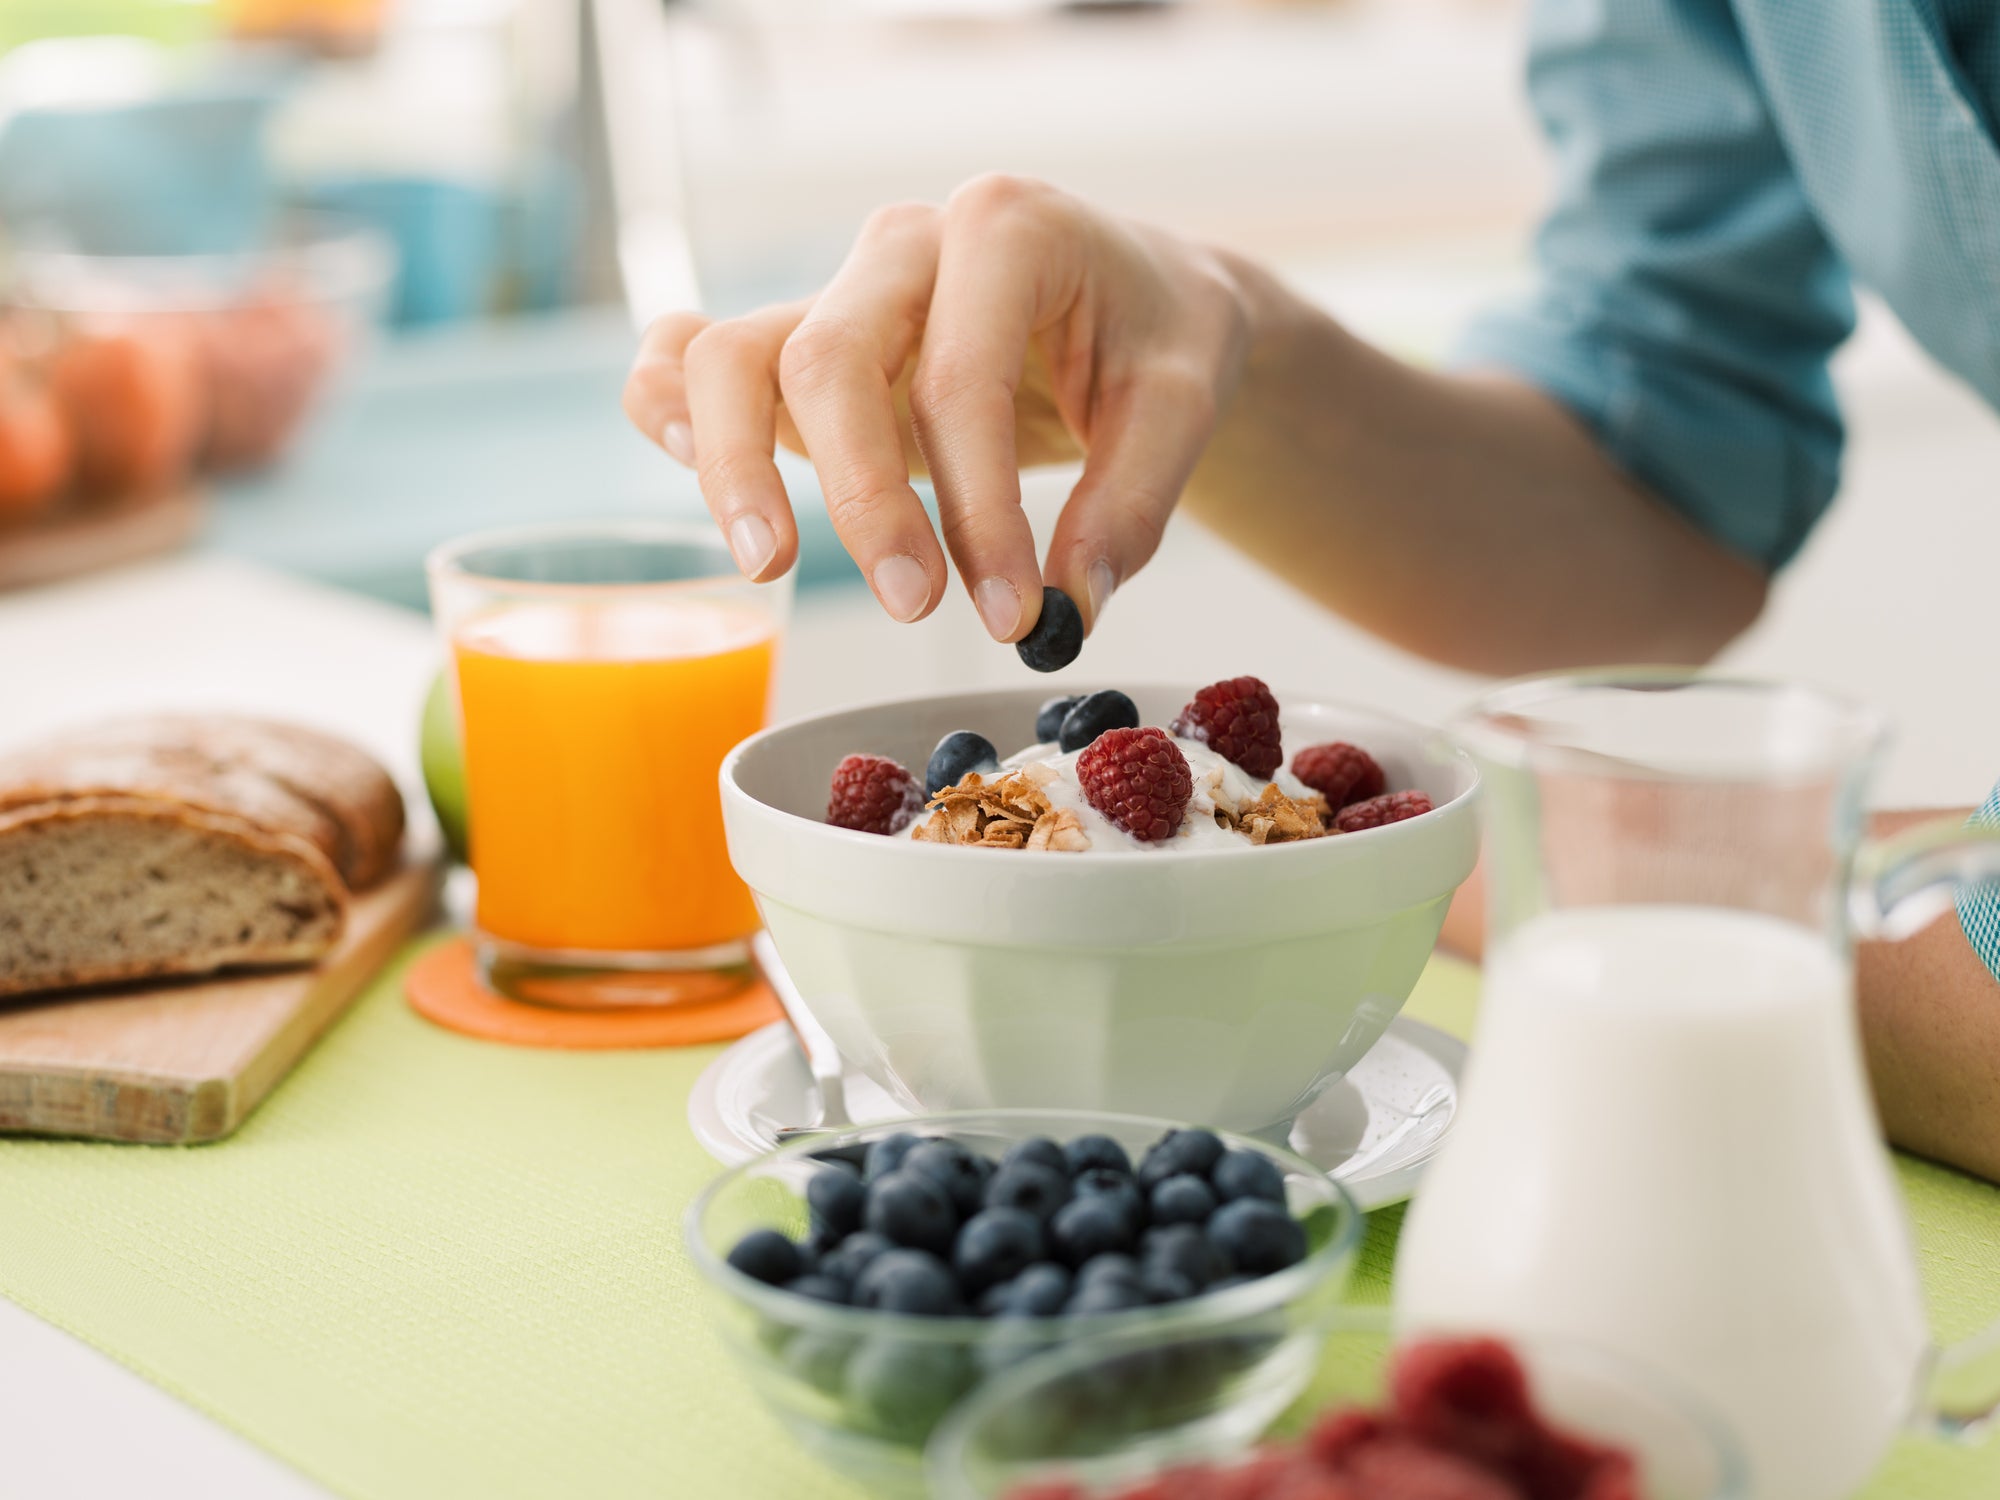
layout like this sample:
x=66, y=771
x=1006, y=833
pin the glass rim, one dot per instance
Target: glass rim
x=1496, y=726
x=1214, y=1311
x=945, y=1454
x=351, y=254
x=446, y=562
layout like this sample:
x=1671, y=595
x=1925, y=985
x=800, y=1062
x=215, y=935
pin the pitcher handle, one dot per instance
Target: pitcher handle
x=1901, y=885
x=1907, y=881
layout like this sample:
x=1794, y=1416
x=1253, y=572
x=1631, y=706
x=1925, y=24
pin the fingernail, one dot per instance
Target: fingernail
x=752, y=543
x=1101, y=581
x=999, y=604
x=678, y=439
x=903, y=587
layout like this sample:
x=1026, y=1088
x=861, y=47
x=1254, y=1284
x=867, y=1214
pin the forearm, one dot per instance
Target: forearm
x=1930, y=1024
x=1468, y=519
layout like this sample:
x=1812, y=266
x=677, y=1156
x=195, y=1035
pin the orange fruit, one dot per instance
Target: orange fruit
x=35, y=448
x=136, y=403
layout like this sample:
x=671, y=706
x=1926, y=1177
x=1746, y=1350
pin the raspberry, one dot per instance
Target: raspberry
x=872, y=794
x=1339, y=1434
x=1238, y=720
x=1340, y=772
x=1139, y=779
x=1615, y=1478
x=1400, y=1470
x=1305, y=1482
x=1376, y=811
x=1469, y=1397
x=1559, y=1467
x=1188, y=1482
x=1261, y=1477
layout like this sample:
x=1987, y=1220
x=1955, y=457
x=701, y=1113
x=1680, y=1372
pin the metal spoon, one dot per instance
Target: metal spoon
x=822, y=1057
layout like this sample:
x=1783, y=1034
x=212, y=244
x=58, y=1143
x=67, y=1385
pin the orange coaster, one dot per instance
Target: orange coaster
x=444, y=987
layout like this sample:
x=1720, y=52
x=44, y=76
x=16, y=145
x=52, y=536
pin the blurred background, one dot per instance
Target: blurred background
x=320, y=283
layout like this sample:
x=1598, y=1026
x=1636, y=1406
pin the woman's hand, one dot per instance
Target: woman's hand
x=1014, y=326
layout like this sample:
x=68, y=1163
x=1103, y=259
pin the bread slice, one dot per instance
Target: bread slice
x=94, y=890
x=279, y=777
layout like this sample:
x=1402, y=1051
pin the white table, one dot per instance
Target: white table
x=1916, y=525
x=200, y=632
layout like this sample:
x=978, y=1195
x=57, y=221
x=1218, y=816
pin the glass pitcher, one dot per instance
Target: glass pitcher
x=1667, y=1145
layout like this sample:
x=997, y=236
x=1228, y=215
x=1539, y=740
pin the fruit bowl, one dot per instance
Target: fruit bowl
x=1095, y=1420
x=1225, y=985
x=159, y=368
x=862, y=1388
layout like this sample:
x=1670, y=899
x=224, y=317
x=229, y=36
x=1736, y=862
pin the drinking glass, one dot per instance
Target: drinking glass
x=1666, y=1144
x=602, y=671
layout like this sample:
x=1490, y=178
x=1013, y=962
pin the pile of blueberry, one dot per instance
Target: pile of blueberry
x=926, y=1227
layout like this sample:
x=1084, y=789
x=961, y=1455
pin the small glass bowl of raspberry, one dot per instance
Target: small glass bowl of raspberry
x=1442, y=1416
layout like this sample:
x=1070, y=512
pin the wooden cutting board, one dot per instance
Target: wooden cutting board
x=81, y=539
x=178, y=1063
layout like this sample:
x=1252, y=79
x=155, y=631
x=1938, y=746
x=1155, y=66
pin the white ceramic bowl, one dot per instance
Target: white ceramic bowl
x=1225, y=987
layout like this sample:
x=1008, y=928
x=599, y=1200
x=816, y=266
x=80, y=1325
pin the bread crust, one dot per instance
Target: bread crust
x=282, y=778
x=313, y=925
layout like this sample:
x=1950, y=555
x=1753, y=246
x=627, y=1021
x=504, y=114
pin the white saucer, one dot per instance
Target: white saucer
x=1372, y=1131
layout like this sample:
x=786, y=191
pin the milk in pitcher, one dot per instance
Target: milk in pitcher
x=1667, y=1149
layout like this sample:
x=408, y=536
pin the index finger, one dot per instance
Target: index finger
x=1003, y=270
x=835, y=374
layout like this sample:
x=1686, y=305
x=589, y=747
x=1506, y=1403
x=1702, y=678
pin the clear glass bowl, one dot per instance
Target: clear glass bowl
x=1072, y=1415
x=266, y=333
x=863, y=1390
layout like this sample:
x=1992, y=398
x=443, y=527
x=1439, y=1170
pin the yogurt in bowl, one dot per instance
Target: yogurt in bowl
x=1227, y=983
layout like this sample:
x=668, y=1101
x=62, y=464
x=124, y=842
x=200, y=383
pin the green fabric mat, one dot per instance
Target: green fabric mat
x=431, y=1266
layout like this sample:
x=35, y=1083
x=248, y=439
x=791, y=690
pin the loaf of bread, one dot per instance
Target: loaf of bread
x=182, y=845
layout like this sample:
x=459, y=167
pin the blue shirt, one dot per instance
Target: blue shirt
x=1724, y=173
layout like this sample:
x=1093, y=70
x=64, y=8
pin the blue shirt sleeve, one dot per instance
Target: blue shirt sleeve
x=1979, y=907
x=1688, y=302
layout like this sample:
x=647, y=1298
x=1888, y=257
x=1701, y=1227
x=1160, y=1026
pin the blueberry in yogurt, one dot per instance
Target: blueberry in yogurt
x=957, y=756
x=1092, y=716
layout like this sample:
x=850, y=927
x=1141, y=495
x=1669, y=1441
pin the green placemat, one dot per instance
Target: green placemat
x=432, y=1266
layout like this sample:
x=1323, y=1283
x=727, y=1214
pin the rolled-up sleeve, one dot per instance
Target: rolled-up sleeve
x=1687, y=301
x=1979, y=907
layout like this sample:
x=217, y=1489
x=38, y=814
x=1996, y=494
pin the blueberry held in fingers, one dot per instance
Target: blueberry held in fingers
x=1058, y=635
x=957, y=755
x=1092, y=715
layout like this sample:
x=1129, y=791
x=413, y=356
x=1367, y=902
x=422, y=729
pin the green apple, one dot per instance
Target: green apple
x=444, y=765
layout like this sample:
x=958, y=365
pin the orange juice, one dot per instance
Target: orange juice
x=593, y=736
